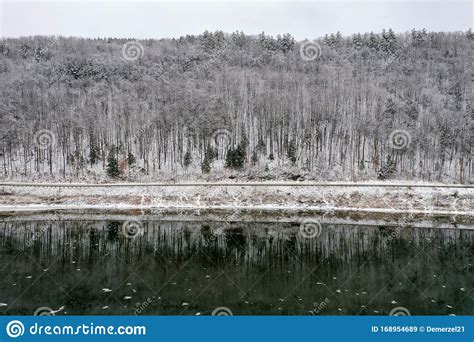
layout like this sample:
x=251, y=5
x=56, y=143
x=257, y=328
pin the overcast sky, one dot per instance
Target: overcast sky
x=158, y=19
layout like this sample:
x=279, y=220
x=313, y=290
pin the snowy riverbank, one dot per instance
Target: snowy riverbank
x=371, y=197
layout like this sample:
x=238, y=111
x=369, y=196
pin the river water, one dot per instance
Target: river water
x=144, y=267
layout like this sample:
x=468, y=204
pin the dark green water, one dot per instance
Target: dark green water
x=188, y=268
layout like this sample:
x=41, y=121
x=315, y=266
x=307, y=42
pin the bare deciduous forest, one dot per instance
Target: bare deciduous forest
x=370, y=106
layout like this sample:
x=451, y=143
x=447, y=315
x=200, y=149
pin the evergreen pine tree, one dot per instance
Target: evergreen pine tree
x=112, y=166
x=285, y=43
x=469, y=34
x=207, y=41
x=210, y=153
x=388, y=170
x=332, y=40
x=131, y=159
x=338, y=38
x=326, y=39
x=235, y=158
x=373, y=42
x=388, y=41
x=357, y=41
x=291, y=152
x=187, y=159
x=93, y=150
x=209, y=156
x=254, y=158
x=261, y=147
x=93, y=154
x=206, y=165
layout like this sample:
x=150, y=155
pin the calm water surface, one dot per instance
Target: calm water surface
x=192, y=268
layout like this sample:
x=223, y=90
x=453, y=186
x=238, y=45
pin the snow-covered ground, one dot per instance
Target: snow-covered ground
x=372, y=197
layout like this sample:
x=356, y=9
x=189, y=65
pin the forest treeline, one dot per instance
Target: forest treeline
x=374, y=105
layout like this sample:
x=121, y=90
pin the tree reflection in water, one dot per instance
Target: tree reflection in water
x=252, y=268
